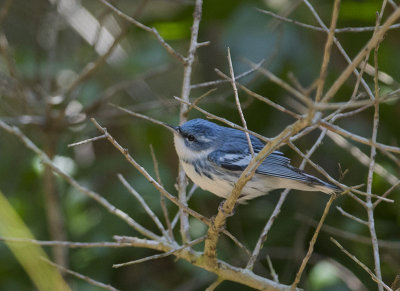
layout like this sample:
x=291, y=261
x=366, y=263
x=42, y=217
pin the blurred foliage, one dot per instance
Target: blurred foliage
x=48, y=54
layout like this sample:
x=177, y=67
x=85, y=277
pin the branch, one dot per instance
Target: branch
x=223, y=270
x=185, y=93
x=235, y=91
x=312, y=242
x=152, y=30
x=80, y=276
x=373, y=276
x=95, y=196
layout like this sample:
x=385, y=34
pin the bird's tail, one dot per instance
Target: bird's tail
x=321, y=185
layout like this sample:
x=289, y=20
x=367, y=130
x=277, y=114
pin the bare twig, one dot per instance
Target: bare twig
x=217, y=82
x=312, y=242
x=373, y=276
x=263, y=236
x=162, y=198
x=86, y=141
x=163, y=255
x=372, y=43
x=215, y=284
x=198, y=99
x=80, y=276
x=316, y=28
x=368, y=204
x=272, y=270
x=152, y=30
x=327, y=51
x=235, y=91
x=394, y=186
x=349, y=235
x=148, y=210
x=348, y=215
x=66, y=243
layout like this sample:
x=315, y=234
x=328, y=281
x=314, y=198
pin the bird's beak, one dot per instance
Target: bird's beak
x=172, y=128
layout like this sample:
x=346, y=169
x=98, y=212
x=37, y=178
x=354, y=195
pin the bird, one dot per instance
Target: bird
x=214, y=157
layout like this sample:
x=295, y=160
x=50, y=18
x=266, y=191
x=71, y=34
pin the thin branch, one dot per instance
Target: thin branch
x=339, y=46
x=146, y=208
x=163, y=255
x=80, y=276
x=95, y=196
x=185, y=93
x=358, y=138
x=394, y=186
x=68, y=244
x=350, y=235
x=348, y=215
x=198, y=99
x=263, y=236
x=215, y=284
x=373, y=276
x=327, y=51
x=368, y=204
x=312, y=242
x=217, y=82
x=372, y=43
x=162, y=198
x=272, y=270
x=239, y=108
x=152, y=30
x=305, y=99
x=316, y=28
x=86, y=141
x=190, y=194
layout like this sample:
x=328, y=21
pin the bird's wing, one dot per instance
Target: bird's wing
x=276, y=164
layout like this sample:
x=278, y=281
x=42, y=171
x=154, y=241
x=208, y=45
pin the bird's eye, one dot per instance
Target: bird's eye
x=190, y=138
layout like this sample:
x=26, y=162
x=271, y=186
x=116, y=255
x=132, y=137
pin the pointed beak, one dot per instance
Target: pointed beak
x=172, y=128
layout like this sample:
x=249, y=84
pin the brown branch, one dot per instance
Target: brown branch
x=312, y=242
x=219, y=222
x=372, y=43
x=316, y=28
x=235, y=91
x=327, y=51
x=373, y=276
x=163, y=255
x=162, y=198
x=80, y=276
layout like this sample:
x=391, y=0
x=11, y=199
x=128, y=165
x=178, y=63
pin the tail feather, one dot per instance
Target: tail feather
x=321, y=185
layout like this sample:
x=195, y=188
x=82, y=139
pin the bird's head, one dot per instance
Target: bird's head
x=196, y=137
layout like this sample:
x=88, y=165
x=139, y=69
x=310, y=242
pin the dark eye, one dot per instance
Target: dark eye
x=190, y=138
